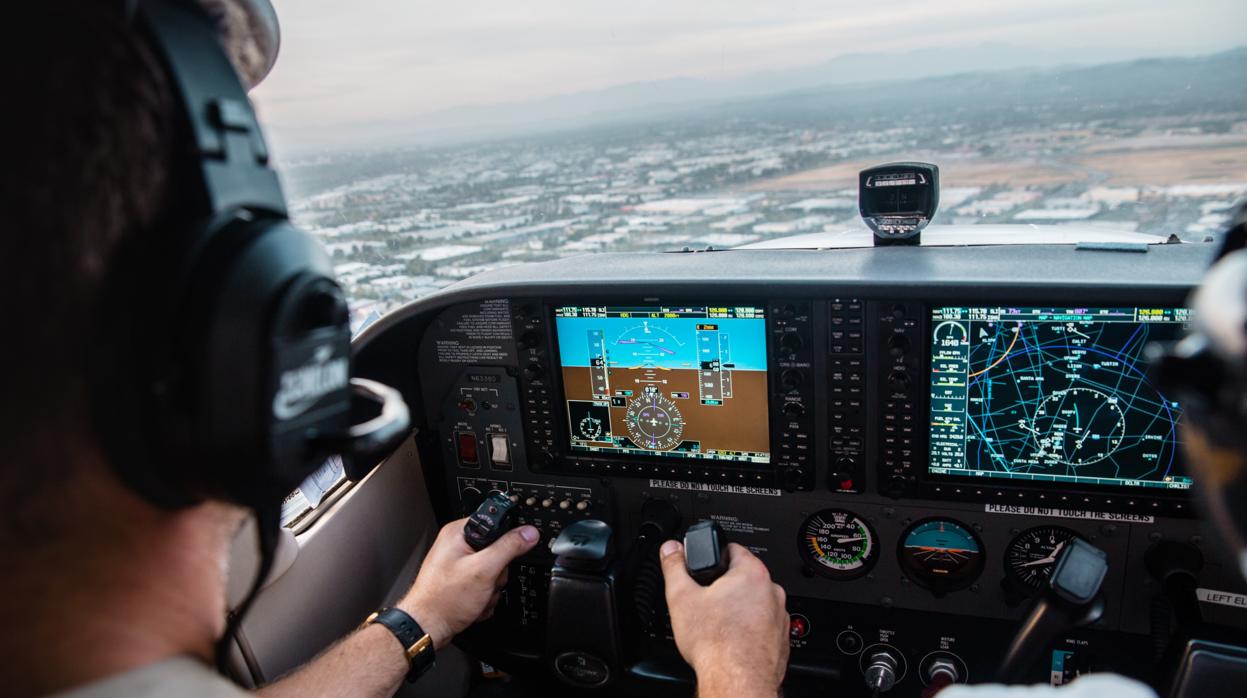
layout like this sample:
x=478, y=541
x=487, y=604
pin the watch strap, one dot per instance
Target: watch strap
x=417, y=644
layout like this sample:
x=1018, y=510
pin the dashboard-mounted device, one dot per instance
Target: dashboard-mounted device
x=898, y=199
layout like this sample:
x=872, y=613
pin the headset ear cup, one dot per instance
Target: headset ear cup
x=273, y=363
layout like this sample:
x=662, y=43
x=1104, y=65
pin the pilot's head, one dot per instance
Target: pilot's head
x=1208, y=371
x=90, y=126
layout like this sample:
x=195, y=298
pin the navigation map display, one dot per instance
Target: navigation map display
x=680, y=382
x=1053, y=394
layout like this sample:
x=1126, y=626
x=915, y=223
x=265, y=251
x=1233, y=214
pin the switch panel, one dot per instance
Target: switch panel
x=481, y=421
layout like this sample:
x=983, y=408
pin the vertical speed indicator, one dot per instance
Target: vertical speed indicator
x=838, y=544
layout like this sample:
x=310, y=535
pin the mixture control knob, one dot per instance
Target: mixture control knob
x=941, y=672
x=792, y=410
x=791, y=342
x=881, y=671
x=898, y=381
x=791, y=378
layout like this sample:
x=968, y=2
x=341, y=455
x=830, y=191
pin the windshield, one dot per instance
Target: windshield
x=426, y=142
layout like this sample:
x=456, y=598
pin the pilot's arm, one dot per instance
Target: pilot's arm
x=734, y=633
x=456, y=587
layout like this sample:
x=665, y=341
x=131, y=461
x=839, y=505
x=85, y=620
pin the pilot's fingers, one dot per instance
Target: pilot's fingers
x=739, y=560
x=674, y=572
x=451, y=538
x=500, y=553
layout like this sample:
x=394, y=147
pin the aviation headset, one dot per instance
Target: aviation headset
x=1207, y=371
x=233, y=381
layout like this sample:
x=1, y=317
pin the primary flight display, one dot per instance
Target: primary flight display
x=1053, y=394
x=680, y=382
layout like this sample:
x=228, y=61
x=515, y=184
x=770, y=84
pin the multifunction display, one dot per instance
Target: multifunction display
x=680, y=382
x=1054, y=395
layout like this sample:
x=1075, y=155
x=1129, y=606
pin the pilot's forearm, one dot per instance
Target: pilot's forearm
x=368, y=662
x=727, y=683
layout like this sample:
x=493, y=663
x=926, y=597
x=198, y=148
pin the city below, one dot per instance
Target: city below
x=404, y=223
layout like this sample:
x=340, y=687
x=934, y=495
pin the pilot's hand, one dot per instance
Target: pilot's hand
x=457, y=586
x=734, y=633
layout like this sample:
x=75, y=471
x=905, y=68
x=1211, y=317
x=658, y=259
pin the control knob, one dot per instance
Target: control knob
x=791, y=378
x=941, y=672
x=793, y=410
x=898, y=382
x=533, y=371
x=881, y=672
x=529, y=339
x=898, y=344
x=791, y=342
x=471, y=498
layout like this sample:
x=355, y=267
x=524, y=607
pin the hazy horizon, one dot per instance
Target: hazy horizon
x=378, y=61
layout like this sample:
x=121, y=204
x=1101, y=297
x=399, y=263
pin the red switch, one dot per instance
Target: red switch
x=467, y=448
x=798, y=626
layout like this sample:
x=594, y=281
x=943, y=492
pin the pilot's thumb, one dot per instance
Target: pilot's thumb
x=674, y=573
x=509, y=546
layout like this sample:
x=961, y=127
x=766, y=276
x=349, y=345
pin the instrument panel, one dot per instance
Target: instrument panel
x=907, y=455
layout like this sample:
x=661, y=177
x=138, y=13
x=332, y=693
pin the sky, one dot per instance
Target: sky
x=361, y=61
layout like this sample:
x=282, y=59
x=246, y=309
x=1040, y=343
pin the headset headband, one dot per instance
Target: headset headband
x=228, y=143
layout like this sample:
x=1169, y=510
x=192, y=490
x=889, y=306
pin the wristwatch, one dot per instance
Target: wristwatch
x=417, y=644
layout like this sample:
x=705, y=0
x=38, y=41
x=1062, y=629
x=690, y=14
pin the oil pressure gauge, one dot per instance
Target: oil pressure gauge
x=838, y=544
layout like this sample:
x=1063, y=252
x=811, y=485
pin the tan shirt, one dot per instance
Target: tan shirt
x=184, y=677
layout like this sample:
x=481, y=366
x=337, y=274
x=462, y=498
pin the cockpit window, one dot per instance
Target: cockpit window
x=425, y=142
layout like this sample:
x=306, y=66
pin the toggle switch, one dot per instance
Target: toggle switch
x=466, y=442
x=500, y=449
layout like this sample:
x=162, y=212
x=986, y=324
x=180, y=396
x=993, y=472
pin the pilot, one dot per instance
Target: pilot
x=101, y=592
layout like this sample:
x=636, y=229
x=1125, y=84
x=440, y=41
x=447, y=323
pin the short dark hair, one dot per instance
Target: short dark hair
x=88, y=134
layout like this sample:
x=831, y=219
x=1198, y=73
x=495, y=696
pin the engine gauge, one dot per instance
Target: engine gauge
x=941, y=554
x=838, y=544
x=1032, y=555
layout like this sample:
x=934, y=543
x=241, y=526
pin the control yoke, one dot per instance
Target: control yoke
x=705, y=552
x=1071, y=599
